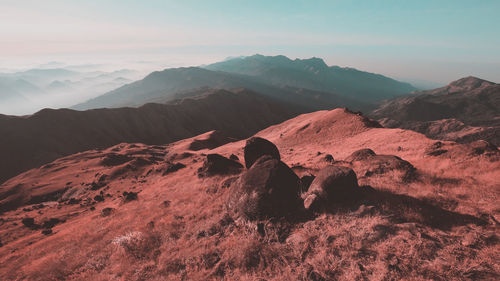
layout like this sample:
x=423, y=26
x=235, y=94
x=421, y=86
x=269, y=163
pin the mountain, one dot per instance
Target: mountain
x=56, y=87
x=314, y=74
x=465, y=110
x=148, y=212
x=307, y=82
x=9, y=95
x=60, y=87
x=166, y=85
x=15, y=91
x=31, y=141
x=41, y=77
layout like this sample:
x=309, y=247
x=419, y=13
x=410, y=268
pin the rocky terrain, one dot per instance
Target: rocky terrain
x=329, y=195
x=465, y=110
x=31, y=141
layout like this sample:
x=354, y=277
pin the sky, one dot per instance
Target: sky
x=436, y=41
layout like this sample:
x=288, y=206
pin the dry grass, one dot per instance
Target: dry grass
x=388, y=236
x=443, y=226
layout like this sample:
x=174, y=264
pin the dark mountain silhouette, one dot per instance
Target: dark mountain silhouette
x=31, y=141
x=314, y=74
x=465, y=110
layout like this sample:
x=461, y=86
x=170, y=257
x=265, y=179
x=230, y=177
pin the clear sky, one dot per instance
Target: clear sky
x=430, y=40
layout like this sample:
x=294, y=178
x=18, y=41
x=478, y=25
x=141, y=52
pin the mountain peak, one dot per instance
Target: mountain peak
x=470, y=83
x=315, y=62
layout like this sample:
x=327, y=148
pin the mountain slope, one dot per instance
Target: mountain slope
x=316, y=75
x=468, y=108
x=166, y=85
x=31, y=141
x=141, y=212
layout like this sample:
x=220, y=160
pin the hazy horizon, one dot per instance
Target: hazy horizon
x=437, y=41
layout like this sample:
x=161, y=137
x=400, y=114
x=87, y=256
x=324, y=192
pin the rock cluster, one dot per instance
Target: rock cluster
x=270, y=188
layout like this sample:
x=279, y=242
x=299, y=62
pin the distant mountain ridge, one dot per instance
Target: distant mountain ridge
x=169, y=84
x=315, y=74
x=306, y=82
x=26, y=92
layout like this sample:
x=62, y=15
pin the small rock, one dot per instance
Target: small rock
x=216, y=164
x=234, y=157
x=107, y=211
x=435, y=149
x=29, y=222
x=129, y=196
x=47, y=231
x=97, y=185
x=74, y=201
x=51, y=222
x=171, y=167
x=328, y=158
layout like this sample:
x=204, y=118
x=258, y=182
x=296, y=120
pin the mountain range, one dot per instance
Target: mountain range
x=308, y=82
x=465, y=110
x=26, y=92
x=315, y=74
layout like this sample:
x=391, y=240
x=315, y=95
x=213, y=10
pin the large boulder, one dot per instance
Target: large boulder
x=257, y=147
x=216, y=164
x=366, y=163
x=332, y=184
x=268, y=189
